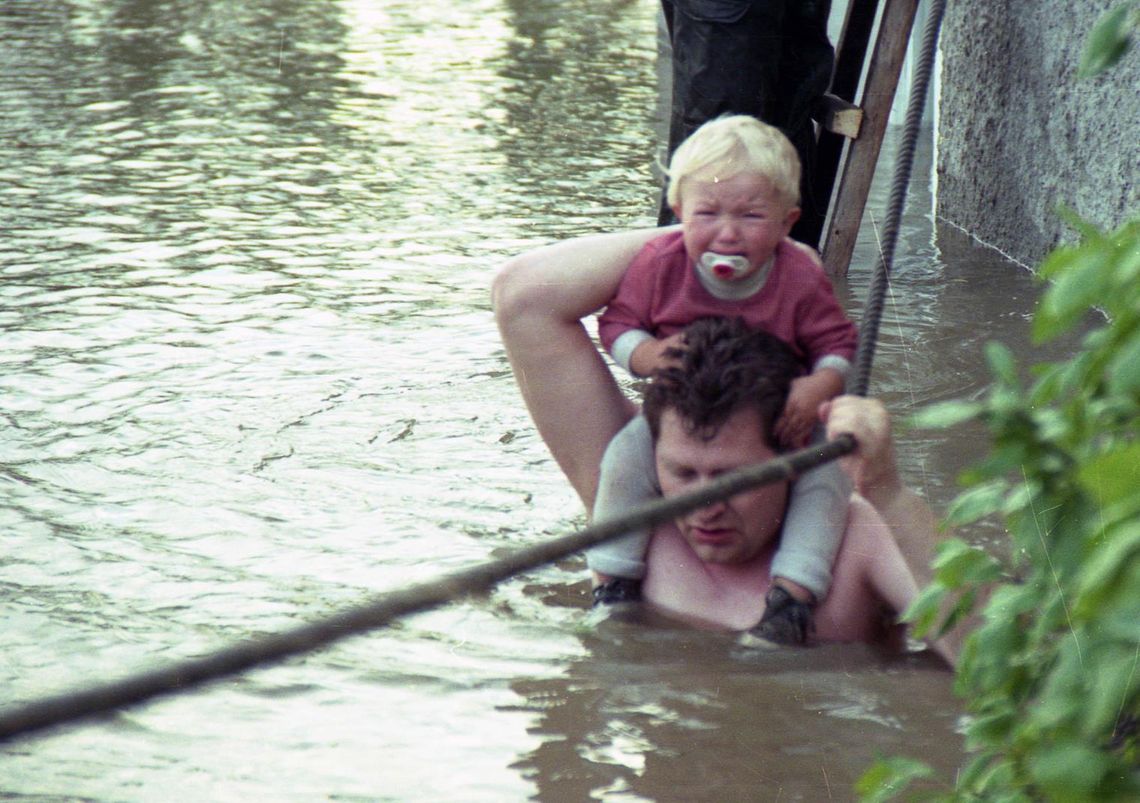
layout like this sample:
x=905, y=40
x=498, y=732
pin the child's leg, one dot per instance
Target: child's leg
x=813, y=528
x=627, y=479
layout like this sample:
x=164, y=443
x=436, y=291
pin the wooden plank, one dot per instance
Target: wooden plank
x=850, y=56
x=863, y=153
x=838, y=116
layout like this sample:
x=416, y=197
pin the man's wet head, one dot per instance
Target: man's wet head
x=714, y=413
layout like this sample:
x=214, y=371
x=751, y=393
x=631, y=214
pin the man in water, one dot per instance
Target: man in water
x=713, y=413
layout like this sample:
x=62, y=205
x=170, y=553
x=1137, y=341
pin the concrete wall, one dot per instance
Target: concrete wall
x=1018, y=133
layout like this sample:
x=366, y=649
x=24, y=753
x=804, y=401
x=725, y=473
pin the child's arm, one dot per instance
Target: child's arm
x=822, y=329
x=802, y=408
x=625, y=324
x=828, y=339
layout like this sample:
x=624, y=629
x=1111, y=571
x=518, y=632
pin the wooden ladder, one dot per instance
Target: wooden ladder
x=857, y=126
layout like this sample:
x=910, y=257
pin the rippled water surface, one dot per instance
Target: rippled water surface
x=250, y=376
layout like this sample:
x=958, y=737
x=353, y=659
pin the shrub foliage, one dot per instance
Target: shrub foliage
x=1051, y=669
x=1051, y=674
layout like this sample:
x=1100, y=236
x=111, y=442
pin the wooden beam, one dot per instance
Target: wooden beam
x=838, y=116
x=863, y=153
x=850, y=55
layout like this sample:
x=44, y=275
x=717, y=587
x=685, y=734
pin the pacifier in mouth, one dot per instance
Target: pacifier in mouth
x=725, y=266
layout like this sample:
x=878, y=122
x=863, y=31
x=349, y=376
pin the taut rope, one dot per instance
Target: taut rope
x=904, y=161
x=180, y=676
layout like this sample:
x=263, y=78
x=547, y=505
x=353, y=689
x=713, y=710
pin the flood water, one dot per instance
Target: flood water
x=250, y=376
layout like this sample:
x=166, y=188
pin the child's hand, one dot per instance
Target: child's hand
x=801, y=412
x=794, y=427
x=651, y=356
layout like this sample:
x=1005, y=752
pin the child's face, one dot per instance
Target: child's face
x=739, y=216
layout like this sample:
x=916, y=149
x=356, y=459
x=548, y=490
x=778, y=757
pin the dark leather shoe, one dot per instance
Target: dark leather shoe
x=617, y=590
x=786, y=620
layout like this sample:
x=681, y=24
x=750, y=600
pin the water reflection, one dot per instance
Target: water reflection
x=573, y=76
x=655, y=713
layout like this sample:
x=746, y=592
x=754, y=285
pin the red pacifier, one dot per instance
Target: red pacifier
x=725, y=266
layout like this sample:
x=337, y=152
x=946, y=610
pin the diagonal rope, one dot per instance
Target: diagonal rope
x=176, y=677
x=184, y=675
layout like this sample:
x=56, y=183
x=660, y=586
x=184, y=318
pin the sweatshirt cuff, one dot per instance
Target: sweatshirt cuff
x=835, y=362
x=622, y=349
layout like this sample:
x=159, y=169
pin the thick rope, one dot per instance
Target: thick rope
x=880, y=279
x=182, y=676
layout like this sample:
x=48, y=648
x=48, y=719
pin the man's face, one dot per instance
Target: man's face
x=739, y=528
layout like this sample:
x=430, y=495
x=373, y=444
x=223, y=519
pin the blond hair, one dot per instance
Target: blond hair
x=735, y=144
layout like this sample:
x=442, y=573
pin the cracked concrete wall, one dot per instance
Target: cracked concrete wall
x=1018, y=133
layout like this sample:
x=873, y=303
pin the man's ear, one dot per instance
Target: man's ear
x=677, y=211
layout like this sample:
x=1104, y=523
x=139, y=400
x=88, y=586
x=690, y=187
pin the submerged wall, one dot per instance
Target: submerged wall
x=1018, y=133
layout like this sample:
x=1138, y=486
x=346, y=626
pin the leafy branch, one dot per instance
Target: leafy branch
x=1052, y=673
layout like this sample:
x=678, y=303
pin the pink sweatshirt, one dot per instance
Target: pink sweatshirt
x=661, y=294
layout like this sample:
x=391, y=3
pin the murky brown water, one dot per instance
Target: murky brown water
x=250, y=375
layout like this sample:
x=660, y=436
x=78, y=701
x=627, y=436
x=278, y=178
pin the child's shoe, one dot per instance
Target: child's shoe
x=786, y=620
x=616, y=591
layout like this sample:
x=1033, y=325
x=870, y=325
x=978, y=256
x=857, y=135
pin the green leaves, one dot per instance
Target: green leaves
x=1124, y=368
x=1068, y=772
x=1053, y=669
x=890, y=777
x=1051, y=676
x=945, y=414
x=1097, y=273
x=977, y=503
x=1109, y=40
x=1114, y=476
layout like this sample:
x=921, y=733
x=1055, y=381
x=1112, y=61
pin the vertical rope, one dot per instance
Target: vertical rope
x=880, y=280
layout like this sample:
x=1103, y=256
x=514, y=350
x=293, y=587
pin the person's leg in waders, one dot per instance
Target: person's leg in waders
x=807, y=60
x=767, y=58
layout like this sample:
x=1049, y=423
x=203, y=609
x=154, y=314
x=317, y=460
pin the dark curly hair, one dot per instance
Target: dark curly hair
x=724, y=367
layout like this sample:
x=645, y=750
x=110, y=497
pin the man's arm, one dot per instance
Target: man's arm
x=539, y=300
x=875, y=473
